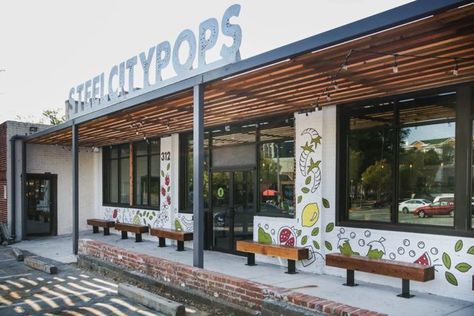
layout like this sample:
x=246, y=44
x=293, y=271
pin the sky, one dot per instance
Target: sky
x=47, y=47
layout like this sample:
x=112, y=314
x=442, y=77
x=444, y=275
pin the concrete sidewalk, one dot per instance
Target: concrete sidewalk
x=368, y=296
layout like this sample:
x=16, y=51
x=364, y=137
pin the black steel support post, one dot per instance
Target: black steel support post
x=138, y=237
x=350, y=278
x=405, y=289
x=198, y=172
x=180, y=245
x=95, y=229
x=291, y=266
x=250, y=259
x=124, y=234
x=106, y=231
x=161, y=242
x=75, y=188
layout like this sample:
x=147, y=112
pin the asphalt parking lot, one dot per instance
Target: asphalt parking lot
x=24, y=291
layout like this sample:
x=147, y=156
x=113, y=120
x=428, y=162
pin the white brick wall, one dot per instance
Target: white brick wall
x=58, y=160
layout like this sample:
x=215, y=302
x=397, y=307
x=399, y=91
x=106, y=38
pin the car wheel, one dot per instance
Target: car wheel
x=405, y=210
x=421, y=214
x=451, y=213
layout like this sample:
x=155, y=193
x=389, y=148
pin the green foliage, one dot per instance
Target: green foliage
x=471, y=250
x=378, y=177
x=316, y=245
x=446, y=260
x=315, y=231
x=329, y=227
x=463, y=267
x=53, y=116
x=304, y=240
x=451, y=278
x=326, y=203
x=328, y=245
x=458, y=245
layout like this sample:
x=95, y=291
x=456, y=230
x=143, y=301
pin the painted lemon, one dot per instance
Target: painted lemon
x=310, y=215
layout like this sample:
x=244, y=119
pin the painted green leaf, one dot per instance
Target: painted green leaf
x=300, y=198
x=298, y=232
x=308, y=180
x=471, y=250
x=316, y=244
x=162, y=173
x=328, y=245
x=168, y=189
x=150, y=217
x=315, y=231
x=168, y=166
x=446, y=260
x=458, y=245
x=304, y=240
x=304, y=189
x=177, y=225
x=451, y=278
x=463, y=267
x=329, y=227
x=326, y=203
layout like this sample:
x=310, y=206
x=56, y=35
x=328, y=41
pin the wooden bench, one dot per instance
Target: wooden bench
x=287, y=252
x=179, y=236
x=405, y=270
x=96, y=223
x=138, y=230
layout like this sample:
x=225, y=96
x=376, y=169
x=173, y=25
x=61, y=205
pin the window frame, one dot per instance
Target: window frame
x=149, y=155
x=463, y=133
x=106, y=161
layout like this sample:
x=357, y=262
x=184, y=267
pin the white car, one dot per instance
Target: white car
x=409, y=206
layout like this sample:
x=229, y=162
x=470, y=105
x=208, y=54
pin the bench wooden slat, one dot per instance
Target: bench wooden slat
x=292, y=253
x=403, y=270
x=171, y=234
x=133, y=228
x=100, y=222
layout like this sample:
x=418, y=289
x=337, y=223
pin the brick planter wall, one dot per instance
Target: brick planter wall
x=241, y=292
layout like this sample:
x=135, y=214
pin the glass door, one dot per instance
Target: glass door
x=233, y=208
x=40, y=205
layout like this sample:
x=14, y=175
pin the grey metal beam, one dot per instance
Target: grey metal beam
x=75, y=187
x=198, y=179
x=397, y=16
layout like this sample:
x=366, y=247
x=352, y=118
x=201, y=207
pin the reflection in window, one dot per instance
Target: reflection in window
x=116, y=162
x=277, y=178
x=147, y=173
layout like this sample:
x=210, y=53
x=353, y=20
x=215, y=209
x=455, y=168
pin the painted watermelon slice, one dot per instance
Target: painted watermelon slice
x=287, y=237
x=424, y=259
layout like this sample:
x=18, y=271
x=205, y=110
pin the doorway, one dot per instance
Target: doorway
x=41, y=205
x=233, y=207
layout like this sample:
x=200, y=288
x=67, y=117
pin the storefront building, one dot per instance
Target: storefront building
x=357, y=140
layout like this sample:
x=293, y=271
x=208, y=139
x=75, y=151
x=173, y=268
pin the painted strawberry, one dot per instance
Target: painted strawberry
x=168, y=200
x=287, y=237
x=163, y=191
x=167, y=180
x=114, y=214
x=424, y=259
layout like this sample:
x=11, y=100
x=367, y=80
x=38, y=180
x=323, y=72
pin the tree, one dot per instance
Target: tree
x=54, y=116
x=377, y=177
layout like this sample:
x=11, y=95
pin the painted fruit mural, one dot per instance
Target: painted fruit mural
x=287, y=237
x=310, y=215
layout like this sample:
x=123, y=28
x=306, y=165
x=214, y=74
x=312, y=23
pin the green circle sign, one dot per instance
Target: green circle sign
x=220, y=193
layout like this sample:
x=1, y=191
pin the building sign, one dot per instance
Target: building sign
x=118, y=84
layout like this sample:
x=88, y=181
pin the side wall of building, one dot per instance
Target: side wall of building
x=58, y=160
x=3, y=174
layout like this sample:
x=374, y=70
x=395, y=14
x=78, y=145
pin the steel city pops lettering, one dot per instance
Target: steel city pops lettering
x=100, y=91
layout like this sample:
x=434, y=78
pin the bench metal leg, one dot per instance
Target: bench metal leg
x=350, y=278
x=124, y=234
x=251, y=259
x=291, y=267
x=405, y=289
x=161, y=242
x=95, y=229
x=138, y=237
x=180, y=245
x=106, y=231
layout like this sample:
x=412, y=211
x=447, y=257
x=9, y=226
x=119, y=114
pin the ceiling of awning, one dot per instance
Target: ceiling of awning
x=295, y=84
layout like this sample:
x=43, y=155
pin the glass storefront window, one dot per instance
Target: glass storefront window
x=147, y=173
x=116, y=164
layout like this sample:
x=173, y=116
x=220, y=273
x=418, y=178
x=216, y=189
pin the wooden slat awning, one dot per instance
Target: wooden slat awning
x=295, y=84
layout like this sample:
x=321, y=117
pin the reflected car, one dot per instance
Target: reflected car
x=437, y=208
x=409, y=206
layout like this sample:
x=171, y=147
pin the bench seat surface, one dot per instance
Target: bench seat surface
x=171, y=234
x=100, y=222
x=133, y=228
x=403, y=270
x=288, y=252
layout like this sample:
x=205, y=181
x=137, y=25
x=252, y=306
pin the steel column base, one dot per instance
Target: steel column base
x=106, y=231
x=95, y=229
x=124, y=234
x=161, y=242
x=180, y=246
x=138, y=237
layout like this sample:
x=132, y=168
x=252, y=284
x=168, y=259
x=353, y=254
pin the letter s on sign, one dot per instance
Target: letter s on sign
x=231, y=53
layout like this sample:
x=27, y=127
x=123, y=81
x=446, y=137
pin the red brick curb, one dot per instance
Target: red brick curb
x=238, y=291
